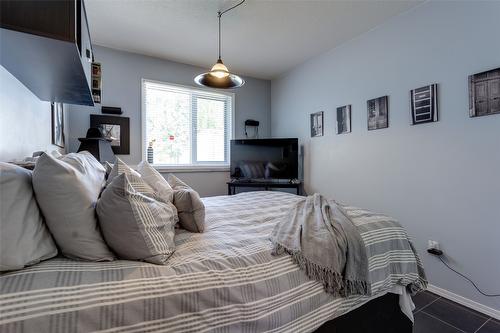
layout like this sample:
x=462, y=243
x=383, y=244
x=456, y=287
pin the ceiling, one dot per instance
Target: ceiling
x=261, y=38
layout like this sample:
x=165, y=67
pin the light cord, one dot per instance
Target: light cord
x=219, y=15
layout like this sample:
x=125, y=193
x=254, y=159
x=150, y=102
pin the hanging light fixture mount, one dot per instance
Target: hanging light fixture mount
x=219, y=76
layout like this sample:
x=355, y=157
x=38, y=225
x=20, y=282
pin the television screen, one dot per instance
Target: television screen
x=264, y=159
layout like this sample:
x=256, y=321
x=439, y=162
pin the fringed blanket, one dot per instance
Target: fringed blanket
x=325, y=244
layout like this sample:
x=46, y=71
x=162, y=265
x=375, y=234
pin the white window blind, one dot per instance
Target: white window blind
x=186, y=126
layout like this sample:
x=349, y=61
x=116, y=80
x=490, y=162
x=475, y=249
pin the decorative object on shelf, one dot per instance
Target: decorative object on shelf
x=317, y=124
x=424, y=104
x=219, y=76
x=57, y=110
x=96, y=144
x=378, y=113
x=96, y=82
x=484, y=93
x=150, y=152
x=344, y=119
x=255, y=125
x=111, y=110
x=117, y=129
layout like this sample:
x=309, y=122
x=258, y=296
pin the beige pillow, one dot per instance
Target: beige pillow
x=67, y=190
x=136, y=225
x=156, y=181
x=24, y=238
x=190, y=208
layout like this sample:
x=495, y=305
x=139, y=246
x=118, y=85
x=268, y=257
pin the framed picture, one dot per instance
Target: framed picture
x=317, y=124
x=57, y=110
x=424, y=104
x=484, y=93
x=116, y=129
x=344, y=119
x=378, y=113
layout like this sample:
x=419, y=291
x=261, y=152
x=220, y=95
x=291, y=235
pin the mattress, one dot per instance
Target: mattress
x=222, y=280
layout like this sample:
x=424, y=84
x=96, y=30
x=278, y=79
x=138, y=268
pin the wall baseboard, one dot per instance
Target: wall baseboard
x=464, y=301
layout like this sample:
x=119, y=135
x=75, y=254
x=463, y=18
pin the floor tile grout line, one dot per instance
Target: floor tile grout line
x=427, y=305
x=441, y=320
x=482, y=325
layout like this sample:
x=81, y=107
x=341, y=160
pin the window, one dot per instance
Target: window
x=185, y=127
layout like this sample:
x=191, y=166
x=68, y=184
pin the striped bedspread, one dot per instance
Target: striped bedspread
x=224, y=280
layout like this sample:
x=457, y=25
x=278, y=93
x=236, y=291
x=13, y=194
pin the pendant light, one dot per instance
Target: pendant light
x=219, y=76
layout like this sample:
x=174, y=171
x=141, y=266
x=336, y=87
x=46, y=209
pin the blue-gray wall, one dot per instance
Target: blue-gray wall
x=441, y=180
x=25, y=121
x=121, y=80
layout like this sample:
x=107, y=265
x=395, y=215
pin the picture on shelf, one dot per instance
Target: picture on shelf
x=317, y=124
x=378, y=113
x=115, y=129
x=424, y=104
x=344, y=119
x=57, y=110
x=111, y=132
x=484, y=93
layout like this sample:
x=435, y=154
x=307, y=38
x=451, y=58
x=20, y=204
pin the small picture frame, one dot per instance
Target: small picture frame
x=116, y=129
x=57, y=116
x=344, y=119
x=484, y=93
x=378, y=113
x=424, y=104
x=317, y=122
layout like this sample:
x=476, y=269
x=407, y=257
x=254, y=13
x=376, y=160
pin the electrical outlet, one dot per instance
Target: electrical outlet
x=431, y=244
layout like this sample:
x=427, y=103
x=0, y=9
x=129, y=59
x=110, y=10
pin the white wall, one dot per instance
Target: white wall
x=121, y=79
x=441, y=180
x=25, y=121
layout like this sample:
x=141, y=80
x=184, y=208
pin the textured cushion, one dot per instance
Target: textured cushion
x=156, y=181
x=67, y=190
x=190, y=208
x=24, y=238
x=136, y=225
x=118, y=168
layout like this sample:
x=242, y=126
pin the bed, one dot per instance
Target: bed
x=222, y=280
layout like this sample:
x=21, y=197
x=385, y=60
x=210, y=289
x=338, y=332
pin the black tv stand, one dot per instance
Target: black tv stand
x=232, y=185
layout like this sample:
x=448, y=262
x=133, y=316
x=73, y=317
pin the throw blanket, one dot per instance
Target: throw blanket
x=325, y=244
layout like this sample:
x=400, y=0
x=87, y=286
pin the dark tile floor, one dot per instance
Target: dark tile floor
x=435, y=314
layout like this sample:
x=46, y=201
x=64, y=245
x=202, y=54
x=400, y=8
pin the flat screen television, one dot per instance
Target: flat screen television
x=264, y=159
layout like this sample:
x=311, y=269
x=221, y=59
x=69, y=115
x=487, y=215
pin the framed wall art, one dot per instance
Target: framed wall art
x=424, y=104
x=344, y=119
x=378, y=113
x=484, y=93
x=57, y=114
x=317, y=124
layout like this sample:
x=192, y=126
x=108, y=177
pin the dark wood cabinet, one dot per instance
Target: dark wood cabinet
x=46, y=45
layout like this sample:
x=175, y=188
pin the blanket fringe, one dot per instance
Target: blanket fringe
x=333, y=282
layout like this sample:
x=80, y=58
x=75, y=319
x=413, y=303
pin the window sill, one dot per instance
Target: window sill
x=191, y=168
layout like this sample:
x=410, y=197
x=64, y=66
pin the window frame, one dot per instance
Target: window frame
x=193, y=167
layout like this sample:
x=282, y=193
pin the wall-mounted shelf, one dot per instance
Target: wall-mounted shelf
x=46, y=45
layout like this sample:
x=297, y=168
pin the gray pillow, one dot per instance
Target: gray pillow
x=190, y=208
x=136, y=225
x=24, y=238
x=156, y=181
x=67, y=190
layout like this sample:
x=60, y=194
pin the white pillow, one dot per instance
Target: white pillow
x=156, y=181
x=118, y=168
x=67, y=190
x=24, y=238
